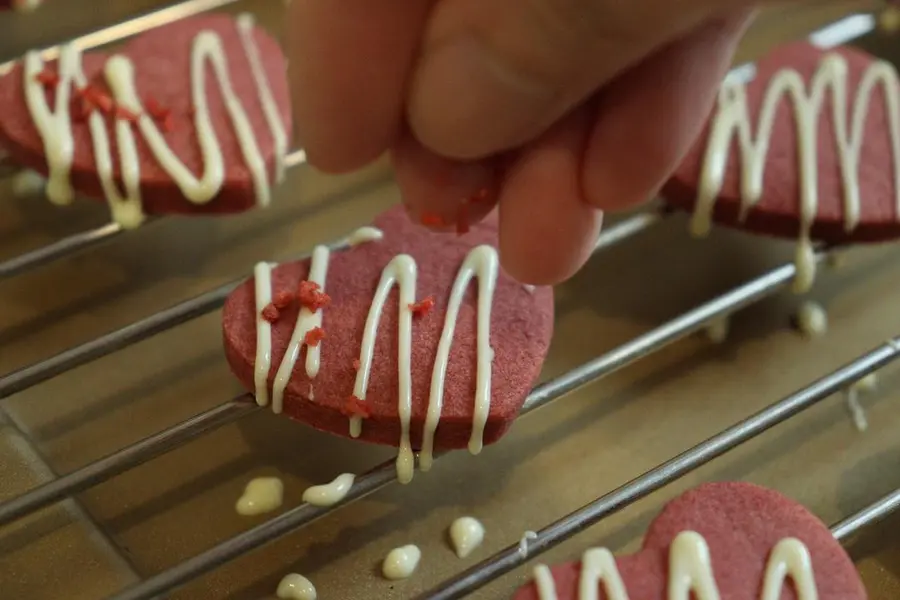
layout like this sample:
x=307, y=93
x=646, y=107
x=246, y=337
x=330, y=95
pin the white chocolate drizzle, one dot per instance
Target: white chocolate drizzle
x=402, y=562
x=732, y=118
x=812, y=320
x=466, y=534
x=690, y=573
x=364, y=235
x=866, y=385
x=295, y=587
x=261, y=495
x=307, y=320
x=331, y=493
x=55, y=127
x=481, y=262
x=523, y=543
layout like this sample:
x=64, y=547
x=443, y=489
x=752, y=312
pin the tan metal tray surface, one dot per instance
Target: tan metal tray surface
x=125, y=441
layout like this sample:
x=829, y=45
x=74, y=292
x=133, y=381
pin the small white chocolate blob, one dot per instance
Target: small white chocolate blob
x=262, y=495
x=28, y=183
x=812, y=320
x=330, y=494
x=717, y=330
x=401, y=562
x=466, y=533
x=296, y=587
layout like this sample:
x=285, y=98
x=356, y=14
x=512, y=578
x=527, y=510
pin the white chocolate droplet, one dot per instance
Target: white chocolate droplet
x=812, y=320
x=262, y=495
x=867, y=384
x=330, y=493
x=523, y=543
x=364, y=235
x=28, y=183
x=717, y=330
x=466, y=533
x=296, y=587
x=401, y=562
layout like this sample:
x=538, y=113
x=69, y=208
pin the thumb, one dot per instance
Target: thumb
x=496, y=74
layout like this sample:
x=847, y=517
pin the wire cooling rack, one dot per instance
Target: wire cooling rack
x=383, y=475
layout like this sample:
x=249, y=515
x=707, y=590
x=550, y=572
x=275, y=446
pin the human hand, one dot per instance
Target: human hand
x=555, y=109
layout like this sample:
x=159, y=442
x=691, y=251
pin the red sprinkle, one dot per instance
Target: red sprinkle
x=125, y=114
x=354, y=407
x=99, y=99
x=47, y=78
x=283, y=299
x=311, y=296
x=314, y=336
x=356, y=364
x=432, y=220
x=270, y=313
x=421, y=308
x=161, y=114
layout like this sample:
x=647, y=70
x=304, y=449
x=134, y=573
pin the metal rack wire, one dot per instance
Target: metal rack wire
x=383, y=475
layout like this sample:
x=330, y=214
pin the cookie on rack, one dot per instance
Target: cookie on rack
x=809, y=148
x=721, y=541
x=407, y=338
x=190, y=117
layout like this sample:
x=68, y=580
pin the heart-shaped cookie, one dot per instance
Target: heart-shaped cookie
x=810, y=147
x=192, y=117
x=721, y=541
x=411, y=338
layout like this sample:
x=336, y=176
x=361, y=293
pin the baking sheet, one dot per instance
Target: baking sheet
x=554, y=461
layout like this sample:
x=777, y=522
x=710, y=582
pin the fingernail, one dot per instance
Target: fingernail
x=443, y=193
x=466, y=103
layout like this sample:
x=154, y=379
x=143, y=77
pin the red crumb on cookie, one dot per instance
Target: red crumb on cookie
x=314, y=336
x=311, y=296
x=49, y=79
x=126, y=115
x=99, y=99
x=356, y=364
x=354, y=407
x=270, y=313
x=431, y=220
x=283, y=299
x=422, y=307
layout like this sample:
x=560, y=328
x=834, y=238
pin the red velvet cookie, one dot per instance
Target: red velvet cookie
x=453, y=328
x=732, y=541
x=847, y=194
x=192, y=117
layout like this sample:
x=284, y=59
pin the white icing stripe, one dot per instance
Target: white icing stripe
x=262, y=276
x=307, y=320
x=55, y=127
x=402, y=272
x=690, y=573
x=264, y=91
x=364, y=235
x=543, y=579
x=690, y=569
x=598, y=566
x=733, y=119
x=481, y=262
x=789, y=558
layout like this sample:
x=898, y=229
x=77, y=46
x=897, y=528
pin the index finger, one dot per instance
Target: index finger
x=349, y=61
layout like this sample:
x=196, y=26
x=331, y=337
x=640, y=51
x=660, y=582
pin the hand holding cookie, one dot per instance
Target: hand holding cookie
x=554, y=110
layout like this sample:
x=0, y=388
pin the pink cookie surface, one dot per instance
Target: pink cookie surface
x=162, y=66
x=741, y=523
x=521, y=325
x=777, y=212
